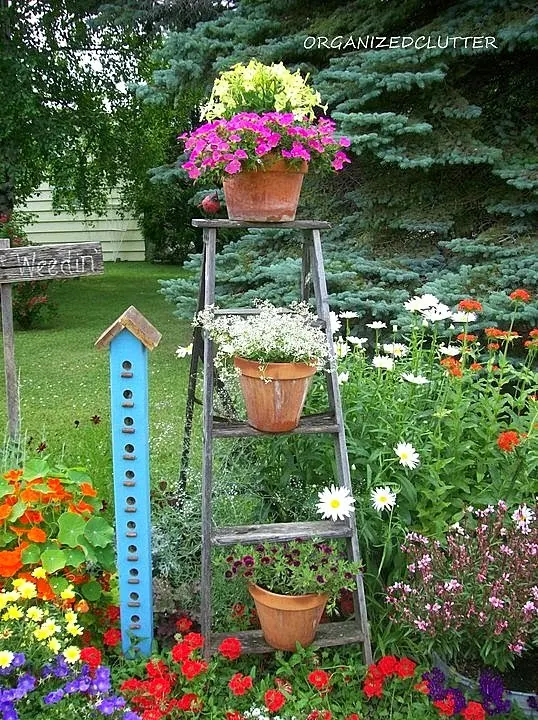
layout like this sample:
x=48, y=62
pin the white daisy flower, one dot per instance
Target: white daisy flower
x=182, y=352
x=523, y=516
x=335, y=503
x=343, y=377
x=341, y=348
x=451, y=350
x=356, y=340
x=335, y=322
x=407, y=454
x=376, y=325
x=348, y=314
x=415, y=379
x=396, y=349
x=437, y=313
x=383, y=361
x=383, y=498
x=421, y=302
x=463, y=317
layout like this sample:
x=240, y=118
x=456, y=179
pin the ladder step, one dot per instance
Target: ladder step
x=279, y=532
x=310, y=424
x=297, y=224
x=328, y=635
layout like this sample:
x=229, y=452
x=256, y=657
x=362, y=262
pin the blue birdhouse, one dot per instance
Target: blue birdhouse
x=130, y=337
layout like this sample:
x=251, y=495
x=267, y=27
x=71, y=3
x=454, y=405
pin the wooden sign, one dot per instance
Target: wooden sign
x=50, y=262
x=27, y=264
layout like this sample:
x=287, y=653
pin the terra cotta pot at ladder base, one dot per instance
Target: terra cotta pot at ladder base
x=274, y=393
x=288, y=619
x=270, y=194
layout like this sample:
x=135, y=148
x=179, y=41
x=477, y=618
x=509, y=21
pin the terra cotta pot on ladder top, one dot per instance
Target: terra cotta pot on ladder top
x=270, y=194
x=274, y=393
x=288, y=619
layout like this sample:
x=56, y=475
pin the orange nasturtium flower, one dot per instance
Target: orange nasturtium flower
x=10, y=561
x=5, y=511
x=37, y=535
x=88, y=490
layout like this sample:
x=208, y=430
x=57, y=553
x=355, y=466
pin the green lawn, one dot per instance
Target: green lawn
x=64, y=380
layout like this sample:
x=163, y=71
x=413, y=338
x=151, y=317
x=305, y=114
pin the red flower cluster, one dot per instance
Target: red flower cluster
x=520, y=295
x=230, y=648
x=319, y=679
x=470, y=305
x=386, y=667
x=274, y=700
x=452, y=366
x=240, y=684
x=508, y=440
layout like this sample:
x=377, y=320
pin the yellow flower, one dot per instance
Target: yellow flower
x=18, y=582
x=27, y=590
x=70, y=616
x=73, y=629
x=54, y=645
x=71, y=654
x=3, y=600
x=34, y=613
x=13, y=613
x=39, y=572
x=41, y=634
x=12, y=596
x=68, y=593
x=6, y=658
x=46, y=630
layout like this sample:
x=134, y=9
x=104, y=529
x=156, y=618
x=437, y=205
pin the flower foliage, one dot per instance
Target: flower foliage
x=481, y=583
x=51, y=520
x=256, y=87
x=298, y=567
x=251, y=141
x=271, y=335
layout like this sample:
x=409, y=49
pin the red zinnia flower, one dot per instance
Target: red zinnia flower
x=493, y=346
x=470, y=305
x=319, y=679
x=387, y=665
x=492, y=332
x=520, y=295
x=274, y=700
x=446, y=706
x=466, y=337
x=319, y=715
x=473, y=711
x=112, y=613
x=183, y=624
x=156, y=668
x=194, y=640
x=159, y=687
x=353, y=716
x=508, y=440
x=475, y=366
x=181, y=652
x=422, y=687
x=192, y=668
x=405, y=668
x=112, y=637
x=240, y=684
x=230, y=648
x=91, y=656
x=233, y=715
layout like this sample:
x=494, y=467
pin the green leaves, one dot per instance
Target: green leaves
x=53, y=559
x=99, y=532
x=71, y=528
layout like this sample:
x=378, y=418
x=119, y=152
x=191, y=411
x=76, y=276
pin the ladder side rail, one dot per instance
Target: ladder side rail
x=197, y=355
x=342, y=460
x=209, y=236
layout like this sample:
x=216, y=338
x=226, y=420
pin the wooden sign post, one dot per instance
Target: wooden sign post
x=27, y=264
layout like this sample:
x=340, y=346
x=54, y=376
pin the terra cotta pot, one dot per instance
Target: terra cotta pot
x=274, y=393
x=288, y=619
x=270, y=194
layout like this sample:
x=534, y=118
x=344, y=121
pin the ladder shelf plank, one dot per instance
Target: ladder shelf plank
x=328, y=635
x=279, y=532
x=321, y=423
x=295, y=224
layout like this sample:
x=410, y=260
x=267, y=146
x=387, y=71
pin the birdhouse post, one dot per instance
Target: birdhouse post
x=130, y=337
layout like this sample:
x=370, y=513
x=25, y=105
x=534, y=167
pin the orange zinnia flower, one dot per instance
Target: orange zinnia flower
x=520, y=295
x=37, y=535
x=508, y=440
x=469, y=305
x=466, y=337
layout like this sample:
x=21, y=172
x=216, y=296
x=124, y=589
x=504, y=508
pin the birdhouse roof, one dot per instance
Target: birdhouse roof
x=133, y=321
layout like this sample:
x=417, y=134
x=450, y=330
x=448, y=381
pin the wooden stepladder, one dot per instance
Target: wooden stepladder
x=354, y=630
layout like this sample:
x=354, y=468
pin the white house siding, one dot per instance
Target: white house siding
x=120, y=238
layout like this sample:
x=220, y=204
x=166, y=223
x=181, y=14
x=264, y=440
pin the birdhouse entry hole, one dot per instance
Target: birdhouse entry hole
x=127, y=364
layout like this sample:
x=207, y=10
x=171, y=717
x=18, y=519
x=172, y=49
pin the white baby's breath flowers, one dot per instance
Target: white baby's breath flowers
x=360, y=342
x=343, y=377
x=415, y=379
x=407, y=455
x=396, y=349
x=335, y=503
x=463, y=317
x=383, y=361
x=450, y=350
x=348, y=315
x=182, y=352
x=383, y=498
x=376, y=325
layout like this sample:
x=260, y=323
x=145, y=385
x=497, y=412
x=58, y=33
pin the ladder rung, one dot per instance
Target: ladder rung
x=322, y=423
x=297, y=224
x=279, y=532
x=328, y=634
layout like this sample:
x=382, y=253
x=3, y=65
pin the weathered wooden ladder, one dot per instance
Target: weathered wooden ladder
x=312, y=277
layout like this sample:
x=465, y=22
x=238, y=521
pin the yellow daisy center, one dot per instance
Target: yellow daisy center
x=335, y=503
